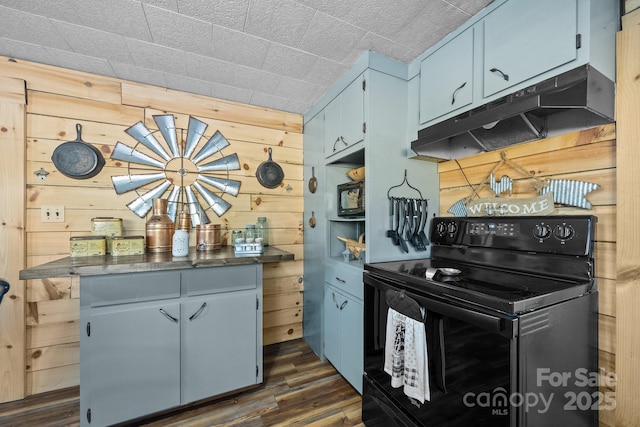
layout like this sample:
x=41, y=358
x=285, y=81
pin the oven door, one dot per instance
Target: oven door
x=472, y=363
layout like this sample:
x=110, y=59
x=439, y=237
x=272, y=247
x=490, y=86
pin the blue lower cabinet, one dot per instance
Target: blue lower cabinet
x=343, y=334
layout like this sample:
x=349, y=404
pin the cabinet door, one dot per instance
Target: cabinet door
x=219, y=345
x=344, y=118
x=446, y=78
x=332, y=326
x=134, y=361
x=524, y=38
x=351, y=342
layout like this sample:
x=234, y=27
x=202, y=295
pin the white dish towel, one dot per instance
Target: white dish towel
x=406, y=358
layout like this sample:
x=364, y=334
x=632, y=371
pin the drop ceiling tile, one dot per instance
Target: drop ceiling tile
x=138, y=74
x=164, y=4
x=441, y=19
x=269, y=101
x=64, y=10
x=226, y=13
x=230, y=93
x=237, y=47
x=254, y=79
x=30, y=28
x=75, y=61
x=124, y=17
x=471, y=7
x=187, y=84
x=331, y=38
x=324, y=72
x=178, y=31
x=291, y=88
x=84, y=40
x=148, y=55
x=288, y=61
x=282, y=21
x=25, y=51
x=383, y=45
x=210, y=69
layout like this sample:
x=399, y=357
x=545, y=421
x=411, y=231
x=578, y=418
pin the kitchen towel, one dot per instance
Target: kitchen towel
x=406, y=358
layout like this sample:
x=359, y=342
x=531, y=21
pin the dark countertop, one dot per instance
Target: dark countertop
x=107, y=264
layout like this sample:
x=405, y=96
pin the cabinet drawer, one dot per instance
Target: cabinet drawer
x=221, y=279
x=345, y=278
x=126, y=288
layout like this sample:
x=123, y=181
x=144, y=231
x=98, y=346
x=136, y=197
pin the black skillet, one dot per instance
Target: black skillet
x=269, y=173
x=77, y=159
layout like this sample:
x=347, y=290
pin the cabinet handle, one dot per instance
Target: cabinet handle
x=340, y=280
x=340, y=138
x=455, y=92
x=334, y=299
x=168, y=316
x=504, y=76
x=197, y=313
x=343, y=304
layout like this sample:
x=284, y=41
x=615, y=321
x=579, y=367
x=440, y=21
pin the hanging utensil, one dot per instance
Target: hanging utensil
x=403, y=223
x=313, y=182
x=269, y=173
x=77, y=159
x=424, y=210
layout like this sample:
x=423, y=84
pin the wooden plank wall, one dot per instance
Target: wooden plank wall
x=57, y=99
x=589, y=155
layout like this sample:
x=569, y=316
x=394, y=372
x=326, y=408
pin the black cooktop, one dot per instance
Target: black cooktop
x=510, y=264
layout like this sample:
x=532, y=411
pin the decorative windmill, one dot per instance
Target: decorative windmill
x=177, y=169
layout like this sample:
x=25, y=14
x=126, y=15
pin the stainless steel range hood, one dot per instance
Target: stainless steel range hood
x=577, y=99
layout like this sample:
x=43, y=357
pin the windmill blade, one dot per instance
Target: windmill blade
x=216, y=143
x=124, y=183
x=229, y=186
x=172, y=200
x=167, y=125
x=143, y=204
x=200, y=219
x=195, y=209
x=194, y=133
x=216, y=203
x=130, y=155
x=226, y=163
x=144, y=136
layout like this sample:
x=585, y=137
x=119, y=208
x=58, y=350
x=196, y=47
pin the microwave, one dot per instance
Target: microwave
x=351, y=199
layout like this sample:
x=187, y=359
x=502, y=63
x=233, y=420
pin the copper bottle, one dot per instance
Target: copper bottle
x=159, y=228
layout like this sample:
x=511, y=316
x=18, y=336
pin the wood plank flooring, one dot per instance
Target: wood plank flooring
x=298, y=390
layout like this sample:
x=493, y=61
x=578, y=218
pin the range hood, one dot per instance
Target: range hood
x=578, y=99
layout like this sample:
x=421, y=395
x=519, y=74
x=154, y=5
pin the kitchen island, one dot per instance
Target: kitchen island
x=158, y=332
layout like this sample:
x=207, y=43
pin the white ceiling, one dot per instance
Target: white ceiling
x=282, y=54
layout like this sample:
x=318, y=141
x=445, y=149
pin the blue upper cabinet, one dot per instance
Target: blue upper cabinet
x=447, y=78
x=344, y=118
x=523, y=39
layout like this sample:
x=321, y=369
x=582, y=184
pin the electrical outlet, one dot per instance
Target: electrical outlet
x=52, y=214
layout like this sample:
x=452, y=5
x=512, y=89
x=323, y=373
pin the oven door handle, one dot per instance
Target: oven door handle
x=478, y=318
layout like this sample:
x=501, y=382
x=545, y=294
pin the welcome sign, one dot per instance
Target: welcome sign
x=500, y=206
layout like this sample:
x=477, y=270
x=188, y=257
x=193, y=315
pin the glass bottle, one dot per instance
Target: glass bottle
x=262, y=230
x=250, y=233
x=180, y=245
x=159, y=228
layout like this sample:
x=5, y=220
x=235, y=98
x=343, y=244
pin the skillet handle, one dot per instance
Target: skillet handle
x=78, y=132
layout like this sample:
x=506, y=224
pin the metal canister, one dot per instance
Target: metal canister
x=159, y=228
x=87, y=246
x=207, y=237
x=127, y=245
x=108, y=227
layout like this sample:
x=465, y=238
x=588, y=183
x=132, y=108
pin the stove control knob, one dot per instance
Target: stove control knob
x=541, y=231
x=441, y=228
x=452, y=227
x=563, y=231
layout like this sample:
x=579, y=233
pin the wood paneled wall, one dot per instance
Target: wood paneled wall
x=589, y=155
x=57, y=99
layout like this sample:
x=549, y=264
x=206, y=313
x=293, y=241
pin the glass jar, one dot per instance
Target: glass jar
x=250, y=233
x=180, y=244
x=237, y=236
x=262, y=230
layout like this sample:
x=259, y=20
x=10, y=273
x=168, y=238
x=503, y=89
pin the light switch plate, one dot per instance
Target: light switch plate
x=52, y=214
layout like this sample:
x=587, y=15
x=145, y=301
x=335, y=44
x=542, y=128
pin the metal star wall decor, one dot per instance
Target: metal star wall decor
x=174, y=165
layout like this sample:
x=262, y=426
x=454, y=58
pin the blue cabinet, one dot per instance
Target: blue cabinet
x=344, y=124
x=446, y=82
x=152, y=341
x=523, y=39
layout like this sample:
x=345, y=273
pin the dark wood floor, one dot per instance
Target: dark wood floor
x=298, y=390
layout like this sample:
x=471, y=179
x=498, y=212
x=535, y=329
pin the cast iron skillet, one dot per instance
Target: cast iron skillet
x=77, y=159
x=4, y=288
x=269, y=173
